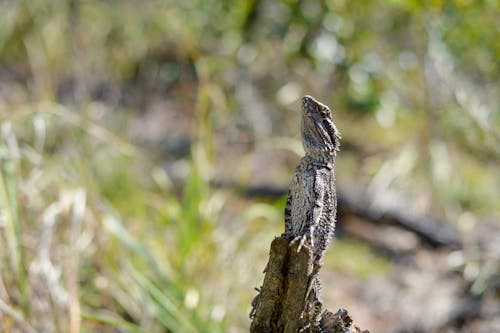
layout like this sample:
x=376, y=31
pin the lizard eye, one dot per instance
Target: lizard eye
x=324, y=111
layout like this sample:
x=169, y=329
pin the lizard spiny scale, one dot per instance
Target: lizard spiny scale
x=312, y=203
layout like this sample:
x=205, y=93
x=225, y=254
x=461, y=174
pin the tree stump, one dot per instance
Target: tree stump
x=281, y=305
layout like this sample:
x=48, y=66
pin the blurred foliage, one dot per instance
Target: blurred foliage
x=356, y=258
x=95, y=235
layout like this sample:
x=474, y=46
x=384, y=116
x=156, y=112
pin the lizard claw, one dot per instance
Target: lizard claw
x=302, y=241
x=306, y=240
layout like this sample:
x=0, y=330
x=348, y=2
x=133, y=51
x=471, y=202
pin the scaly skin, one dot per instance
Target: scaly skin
x=312, y=202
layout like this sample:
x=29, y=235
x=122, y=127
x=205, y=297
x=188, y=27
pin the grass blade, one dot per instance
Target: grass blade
x=112, y=321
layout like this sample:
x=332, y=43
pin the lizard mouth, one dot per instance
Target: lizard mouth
x=311, y=106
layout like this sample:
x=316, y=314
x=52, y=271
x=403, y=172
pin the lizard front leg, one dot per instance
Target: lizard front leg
x=317, y=194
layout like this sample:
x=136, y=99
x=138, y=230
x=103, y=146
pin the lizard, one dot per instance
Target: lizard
x=312, y=203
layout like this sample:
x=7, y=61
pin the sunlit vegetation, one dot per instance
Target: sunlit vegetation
x=107, y=225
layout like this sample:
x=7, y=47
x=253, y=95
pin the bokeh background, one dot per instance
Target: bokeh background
x=146, y=149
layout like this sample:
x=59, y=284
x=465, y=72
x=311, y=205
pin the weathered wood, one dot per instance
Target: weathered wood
x=297, y=284
x=268, y=302
x=280, y=305
x=339, y=322
x=431, y=230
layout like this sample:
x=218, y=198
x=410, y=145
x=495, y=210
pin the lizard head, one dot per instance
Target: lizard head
x=319, y=134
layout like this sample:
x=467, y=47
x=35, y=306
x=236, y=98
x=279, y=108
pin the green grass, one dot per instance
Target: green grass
x=122, y=217
x=9, y=202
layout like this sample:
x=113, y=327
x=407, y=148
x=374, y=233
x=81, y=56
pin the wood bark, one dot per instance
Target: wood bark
x=280, y=306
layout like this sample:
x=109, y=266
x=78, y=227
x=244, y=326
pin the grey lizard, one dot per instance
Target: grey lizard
x=312, y=202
